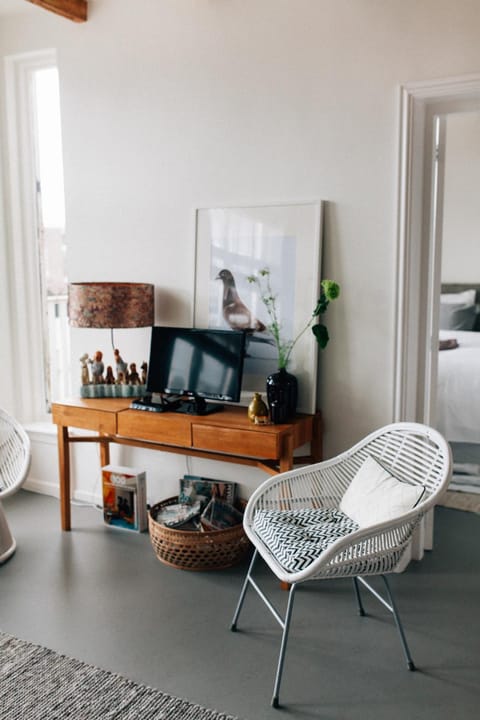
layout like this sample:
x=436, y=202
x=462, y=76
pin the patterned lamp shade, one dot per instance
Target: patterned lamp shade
x=110, y=305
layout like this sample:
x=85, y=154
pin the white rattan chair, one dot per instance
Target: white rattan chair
x=14, y=466
x=414, y=454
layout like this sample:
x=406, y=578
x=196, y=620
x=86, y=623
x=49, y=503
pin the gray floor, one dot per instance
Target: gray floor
x=101, y=596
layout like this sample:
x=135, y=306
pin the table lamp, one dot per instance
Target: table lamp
x=110, y=305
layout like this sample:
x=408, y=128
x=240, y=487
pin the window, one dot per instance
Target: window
x=36, y=235
x=51, y=230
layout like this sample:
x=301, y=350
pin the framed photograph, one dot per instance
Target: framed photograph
x=233, y=244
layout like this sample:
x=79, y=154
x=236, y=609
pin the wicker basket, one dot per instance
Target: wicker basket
x=190, y=550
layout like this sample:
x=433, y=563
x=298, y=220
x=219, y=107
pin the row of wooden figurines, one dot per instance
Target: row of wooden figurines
x=125, y=374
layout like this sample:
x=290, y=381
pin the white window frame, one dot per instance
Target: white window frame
x=27, y=324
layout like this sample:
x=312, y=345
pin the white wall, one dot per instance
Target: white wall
x=168, y=106
x=461, y=208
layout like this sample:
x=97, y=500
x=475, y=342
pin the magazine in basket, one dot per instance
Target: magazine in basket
x=195, y=487
x=124, y=497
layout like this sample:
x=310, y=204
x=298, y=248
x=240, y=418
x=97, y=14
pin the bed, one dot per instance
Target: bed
x=458, y=383
x=458, y=387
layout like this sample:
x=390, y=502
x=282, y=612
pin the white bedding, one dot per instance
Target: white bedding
x=458, y=388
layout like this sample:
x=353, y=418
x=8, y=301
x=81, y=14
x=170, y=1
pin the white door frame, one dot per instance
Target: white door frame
x=419, y=239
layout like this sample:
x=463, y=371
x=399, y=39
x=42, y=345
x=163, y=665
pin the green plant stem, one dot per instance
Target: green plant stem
x=269, y=302
x=329, y=291
x=294, y=342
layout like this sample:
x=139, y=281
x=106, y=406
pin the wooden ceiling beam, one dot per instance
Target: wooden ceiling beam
x=75, y=10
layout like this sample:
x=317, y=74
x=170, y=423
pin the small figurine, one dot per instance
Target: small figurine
x=133, y=376
x=257, y=410
x=143, y=376
x=97, y=368
x=120, y=366
x=120, y=379
x=109, y=378
x=85, y=376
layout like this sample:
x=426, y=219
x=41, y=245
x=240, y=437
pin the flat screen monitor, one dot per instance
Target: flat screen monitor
x=196, y=364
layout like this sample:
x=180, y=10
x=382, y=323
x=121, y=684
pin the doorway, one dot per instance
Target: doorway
x=430, y=113
x=456, y=411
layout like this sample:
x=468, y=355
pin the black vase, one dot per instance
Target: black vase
x=282, y=393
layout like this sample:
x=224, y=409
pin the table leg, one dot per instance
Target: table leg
x=286, y=458
x=317, y=438
x=104, y=451
x=64, y=476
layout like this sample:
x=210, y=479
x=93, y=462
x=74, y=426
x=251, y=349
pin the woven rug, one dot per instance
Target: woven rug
x=462, y=501
x=39, y=684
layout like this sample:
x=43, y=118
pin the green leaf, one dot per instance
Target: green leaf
x=321, y=335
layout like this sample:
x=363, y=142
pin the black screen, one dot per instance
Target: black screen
x=197, y=363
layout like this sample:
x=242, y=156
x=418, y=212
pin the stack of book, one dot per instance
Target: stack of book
x=124, y=497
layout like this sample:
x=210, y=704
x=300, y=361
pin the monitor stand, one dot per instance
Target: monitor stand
x=147, y=403
x=197, y=406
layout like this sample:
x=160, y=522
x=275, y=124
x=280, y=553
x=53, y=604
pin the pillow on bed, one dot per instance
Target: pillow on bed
x=457, y=310
x=467, y=298
x=457, y=317
x=375, y=496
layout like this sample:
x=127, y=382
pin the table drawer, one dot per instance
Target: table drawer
x=158, y=427
x=236, y=442
x=85, y=418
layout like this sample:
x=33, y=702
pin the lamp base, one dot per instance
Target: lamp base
x=117, y=391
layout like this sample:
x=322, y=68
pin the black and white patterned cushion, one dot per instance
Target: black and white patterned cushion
x=297, y=537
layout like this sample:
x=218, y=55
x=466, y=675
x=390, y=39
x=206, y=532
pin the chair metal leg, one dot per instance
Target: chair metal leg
x=361, y=610
x=283, y=622
x=243, y=592
x=393, y=609
x=283, y=647
x=403, y=640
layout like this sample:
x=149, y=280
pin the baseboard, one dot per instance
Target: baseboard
x=88, y=498
x=51, y=489
x=43, y=488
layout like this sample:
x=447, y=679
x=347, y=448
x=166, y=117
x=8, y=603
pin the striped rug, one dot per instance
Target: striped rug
x=39, y=684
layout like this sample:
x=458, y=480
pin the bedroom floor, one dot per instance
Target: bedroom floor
x=100, y=595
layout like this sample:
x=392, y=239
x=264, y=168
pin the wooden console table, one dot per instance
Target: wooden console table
x=227, y=435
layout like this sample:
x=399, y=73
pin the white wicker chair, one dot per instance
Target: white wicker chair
x=14, y=466
x=413, y=453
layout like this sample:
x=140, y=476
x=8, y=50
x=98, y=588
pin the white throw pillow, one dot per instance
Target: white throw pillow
x=465, y=298
x=458, y=310
x=375, y=496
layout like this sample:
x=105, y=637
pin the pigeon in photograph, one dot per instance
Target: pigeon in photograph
x=236, y=314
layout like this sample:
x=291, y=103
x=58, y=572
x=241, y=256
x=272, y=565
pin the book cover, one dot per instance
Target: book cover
x=194, y=487
x=219, y=515
x=179, y=514
x=124, y=497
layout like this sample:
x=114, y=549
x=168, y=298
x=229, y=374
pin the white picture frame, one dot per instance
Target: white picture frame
x=286, y=239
